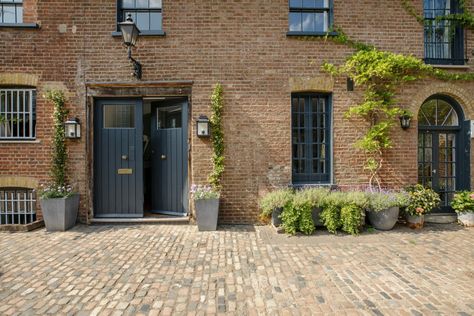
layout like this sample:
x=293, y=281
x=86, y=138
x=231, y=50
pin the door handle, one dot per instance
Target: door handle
x=163, y=157
x=434, y=171
x=124, y=157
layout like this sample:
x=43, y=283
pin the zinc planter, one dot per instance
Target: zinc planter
x=467, y=219
x=276, y=220
x=316, y=215
x=415, y=221
x=60, y=214
x=207, y=211
x=384, y=220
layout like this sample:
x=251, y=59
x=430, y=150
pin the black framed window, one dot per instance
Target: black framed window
x=11, y=11
x=146, y=14
x=311, y=138
x=444, y=42
x=310, y=16
x=17, y=114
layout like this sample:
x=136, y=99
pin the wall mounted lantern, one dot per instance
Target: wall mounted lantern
x=350, y=84
x=130, y=34
x=202, y=126
x=72, y=128
x=405, y=120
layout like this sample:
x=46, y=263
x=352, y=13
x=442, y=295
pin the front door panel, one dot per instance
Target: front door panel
x=118, y=158
x=170, y=158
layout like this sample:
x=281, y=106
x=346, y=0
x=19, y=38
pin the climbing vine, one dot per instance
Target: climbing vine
x=380, y=73
x=217, y=137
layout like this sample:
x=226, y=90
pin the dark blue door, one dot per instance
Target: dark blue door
x=170, y=157
x=118, y=158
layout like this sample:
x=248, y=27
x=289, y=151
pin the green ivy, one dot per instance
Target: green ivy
x=217, y=137
x=58, y=168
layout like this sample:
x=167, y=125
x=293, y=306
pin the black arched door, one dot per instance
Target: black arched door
x=443, y=148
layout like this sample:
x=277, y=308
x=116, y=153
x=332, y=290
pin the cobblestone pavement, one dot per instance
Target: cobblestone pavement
x=241, y=270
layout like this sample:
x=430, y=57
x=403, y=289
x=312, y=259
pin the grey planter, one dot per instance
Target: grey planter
x=276, y=220
x=316, y=215
x=207, y=212
x=60, y=214
x=384, y=220
x=415, y=221
x=467, y=219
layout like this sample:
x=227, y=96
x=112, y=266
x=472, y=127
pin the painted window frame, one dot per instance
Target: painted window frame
x=143, y=32
x=309, y=177
x=435, y=50
x=301, y=9
x=11, y=129
x=18, y=5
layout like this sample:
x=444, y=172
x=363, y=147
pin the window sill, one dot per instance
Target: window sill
x=17, y=141
x=458, y=67
x=19, y=25
x=315, y=34
x=142, y=33
x=312, y=185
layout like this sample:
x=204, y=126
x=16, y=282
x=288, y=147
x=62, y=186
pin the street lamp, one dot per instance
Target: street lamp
x=130, y=34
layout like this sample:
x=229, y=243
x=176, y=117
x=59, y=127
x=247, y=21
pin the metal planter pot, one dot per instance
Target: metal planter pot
x=276, y=220
x=60, y=214
x=316, y=215
x=207, y=212
x=467, y=219
x=384, y=220
x=415, y=221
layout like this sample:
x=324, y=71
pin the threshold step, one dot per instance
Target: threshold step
x=441, y=218
x=164, y=220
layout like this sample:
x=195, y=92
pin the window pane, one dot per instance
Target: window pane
x=308, y=3
x=143, y=20
x=119, y=116
x=169, y=117
x=19, y=14
x=295, y=3
x=294, y=19
x=322, y=3
x=155, y=21
x=128, y=3
x=9, y=14
x=308, y=22
x=142, y=3
x=155, y=4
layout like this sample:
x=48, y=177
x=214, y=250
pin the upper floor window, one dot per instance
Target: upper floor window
x=310, y=16
x=17, y=114
x=145, y=13
x=11, y=11
x=444, y=43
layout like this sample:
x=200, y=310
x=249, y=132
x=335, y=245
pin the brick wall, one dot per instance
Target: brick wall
x=243, y=45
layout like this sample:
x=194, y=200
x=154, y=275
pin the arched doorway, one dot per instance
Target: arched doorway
x=443, y=148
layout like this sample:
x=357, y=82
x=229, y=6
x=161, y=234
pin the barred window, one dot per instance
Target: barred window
x=145, y=13
x=17, y=206
x=17, y=114
x=11, y=11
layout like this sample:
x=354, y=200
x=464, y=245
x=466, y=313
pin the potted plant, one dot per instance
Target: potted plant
x=59, y=204
x=463, y=205
x=272, y=204
x=316, y=198
x=206, y=205
x=384, y=208
x=421, y=201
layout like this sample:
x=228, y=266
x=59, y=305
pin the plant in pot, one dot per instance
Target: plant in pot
x=273, y=203
x=59, y=203
x=206, y=204
x=421, y=200
x=463, y=205
x=297, y=215
x=316, y=198
x=353, y=212
x=384, y=208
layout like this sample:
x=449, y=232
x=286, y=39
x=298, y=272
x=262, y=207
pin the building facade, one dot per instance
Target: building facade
x=283, y=117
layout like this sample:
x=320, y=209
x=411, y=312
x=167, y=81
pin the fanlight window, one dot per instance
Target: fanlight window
x=437, y=112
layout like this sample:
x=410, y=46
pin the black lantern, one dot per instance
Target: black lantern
x=202, y=126
x=350, y=84
x=72, y=128
x=405, y=121
x=130, y=34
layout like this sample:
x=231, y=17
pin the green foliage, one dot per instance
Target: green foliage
x=463, y=202
x=315, y=196
x=351, y=218
x=204, y=192
x=421, y=200
x=217, y=137
x=383, y=200
x=331, y=213
x=297, y=215
x=273, y=200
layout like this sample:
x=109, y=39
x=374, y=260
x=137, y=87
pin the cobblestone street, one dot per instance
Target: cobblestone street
x=241, y=270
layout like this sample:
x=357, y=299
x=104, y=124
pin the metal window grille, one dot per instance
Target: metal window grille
x=17, y=114
x=11, y=11
x=17, y=206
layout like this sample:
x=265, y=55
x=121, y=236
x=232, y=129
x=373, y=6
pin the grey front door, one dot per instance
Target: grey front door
x=170, y=157
x=118, y=158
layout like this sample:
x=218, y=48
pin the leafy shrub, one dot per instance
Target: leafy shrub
x=351, y=218
x=331, y=213
x=463, y=202
x=421, y=200
x=383, y=200
x=315, y=196
x=296, y=215
x=276, y=199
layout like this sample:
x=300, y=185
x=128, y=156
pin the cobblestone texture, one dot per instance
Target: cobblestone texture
x=240, y=270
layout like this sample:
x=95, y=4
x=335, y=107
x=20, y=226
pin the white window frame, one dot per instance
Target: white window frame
x=17, y=114
x=17, y=6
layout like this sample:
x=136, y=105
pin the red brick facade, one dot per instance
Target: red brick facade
x=243, y=45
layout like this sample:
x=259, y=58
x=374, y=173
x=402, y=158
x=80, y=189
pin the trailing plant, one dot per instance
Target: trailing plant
x=58, y=187
x=315, y=196
x=331, y=213
x=351, y=218
x=421, y=200
x=463, y=202
x=273, y=200
x=217, y=137
x=383, y=200
x=297, y=215
x=203, y=192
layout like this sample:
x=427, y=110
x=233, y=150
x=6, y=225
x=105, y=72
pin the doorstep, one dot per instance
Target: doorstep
x=163, y=220
x=441, y=218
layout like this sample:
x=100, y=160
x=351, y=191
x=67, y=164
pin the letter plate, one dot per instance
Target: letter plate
x=125, y=171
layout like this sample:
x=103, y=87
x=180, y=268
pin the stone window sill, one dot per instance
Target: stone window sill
x=17, y=141
x=19, y=25
x=143, y=33
x=454, y=67
x=315, y=34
